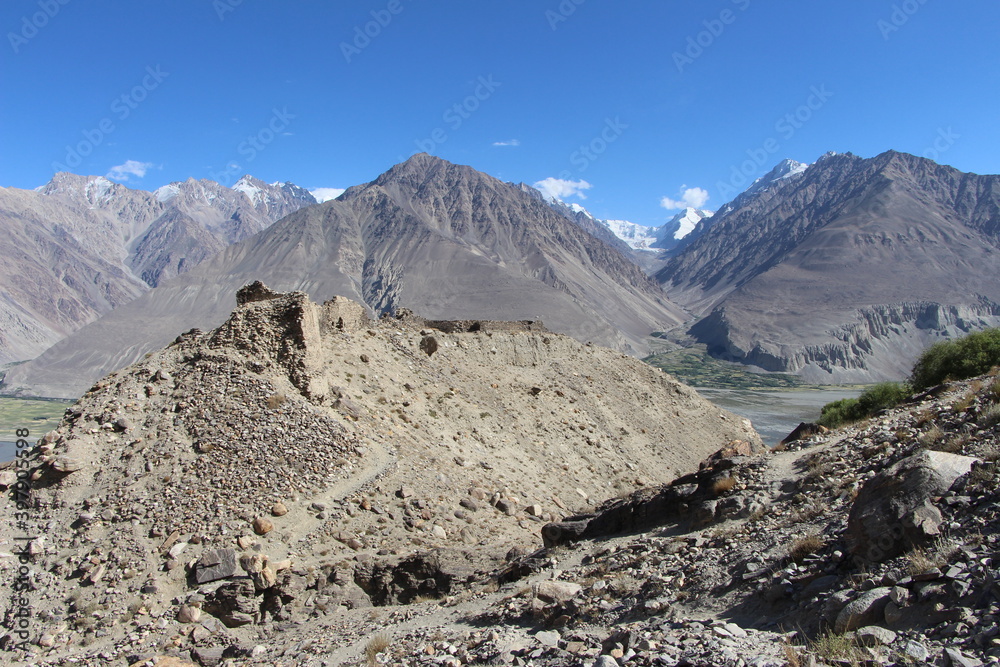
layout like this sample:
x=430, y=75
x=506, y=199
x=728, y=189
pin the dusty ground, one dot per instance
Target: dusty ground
x=361, y=443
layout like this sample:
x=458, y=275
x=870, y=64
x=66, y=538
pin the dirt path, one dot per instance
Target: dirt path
x=300, y=522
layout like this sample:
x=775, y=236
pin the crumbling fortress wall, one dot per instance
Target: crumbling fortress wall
x=408, y=318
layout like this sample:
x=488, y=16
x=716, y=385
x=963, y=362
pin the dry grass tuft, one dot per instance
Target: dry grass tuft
x=990, y=416
x=919, y=561
x=792, y=656
x=376, y=645
x=931, y=437
x=953, y=445
x=964, y=403
x=838, y=648
x=805, y=546
x=276, y=400
x=724, y=485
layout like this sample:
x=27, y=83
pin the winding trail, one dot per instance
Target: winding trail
x=300, y=522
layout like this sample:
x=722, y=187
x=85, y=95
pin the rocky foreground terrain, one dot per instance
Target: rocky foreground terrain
x=279, y=487
x=305, y=487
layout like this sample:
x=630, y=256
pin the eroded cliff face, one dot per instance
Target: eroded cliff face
x=882, y=343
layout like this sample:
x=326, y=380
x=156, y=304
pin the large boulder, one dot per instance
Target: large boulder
x=895, y=510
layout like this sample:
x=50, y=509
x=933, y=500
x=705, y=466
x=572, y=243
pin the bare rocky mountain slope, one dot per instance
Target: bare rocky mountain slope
x=81, y=246
x=441, y=239
x=301, y=461
x=847, y=271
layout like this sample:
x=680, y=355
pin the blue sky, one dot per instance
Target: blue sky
x=639, y=100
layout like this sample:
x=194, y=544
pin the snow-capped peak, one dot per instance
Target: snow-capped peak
x=685, y=222
x=783, y=170
x=639, y=237
x=254, y=192
x=97, y=190
x=167, y=192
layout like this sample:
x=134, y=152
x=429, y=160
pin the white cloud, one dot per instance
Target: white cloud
x=690, y=197
x=326, y=194
x=512, y=142
x=122, y=172
x=559, y=188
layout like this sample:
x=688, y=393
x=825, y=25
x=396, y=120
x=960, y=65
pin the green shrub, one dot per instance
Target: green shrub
x=877, y=397
x=839, y=413
x=957, y=359
x=882, y=396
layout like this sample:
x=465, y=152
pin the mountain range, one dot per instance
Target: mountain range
x=440, y=239
x=839, y=271
x=845, y=271
x=80, y=246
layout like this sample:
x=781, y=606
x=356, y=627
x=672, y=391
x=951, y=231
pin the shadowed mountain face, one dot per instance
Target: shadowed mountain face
x=846, y=272
x=81, y=246
x=440, y=239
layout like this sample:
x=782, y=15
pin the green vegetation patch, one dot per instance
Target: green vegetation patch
x=694, y=366
x=958, y=359
x=881, y=396
x=37, y=415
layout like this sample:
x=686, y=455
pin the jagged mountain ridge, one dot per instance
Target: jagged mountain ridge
x=581, y=217
x=845, y=272
x=81, y=246
x=437, y=238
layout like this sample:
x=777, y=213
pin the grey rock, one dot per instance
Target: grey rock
x=703, y=513
x=556, y=591
x=956, y=658
x=873, y=635
x=216, y=564
x=867, y=609
x=893, y=512
x=548, y=638
x=916, y=650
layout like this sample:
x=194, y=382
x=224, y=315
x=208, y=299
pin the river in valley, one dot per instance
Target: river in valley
x=775, y=412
